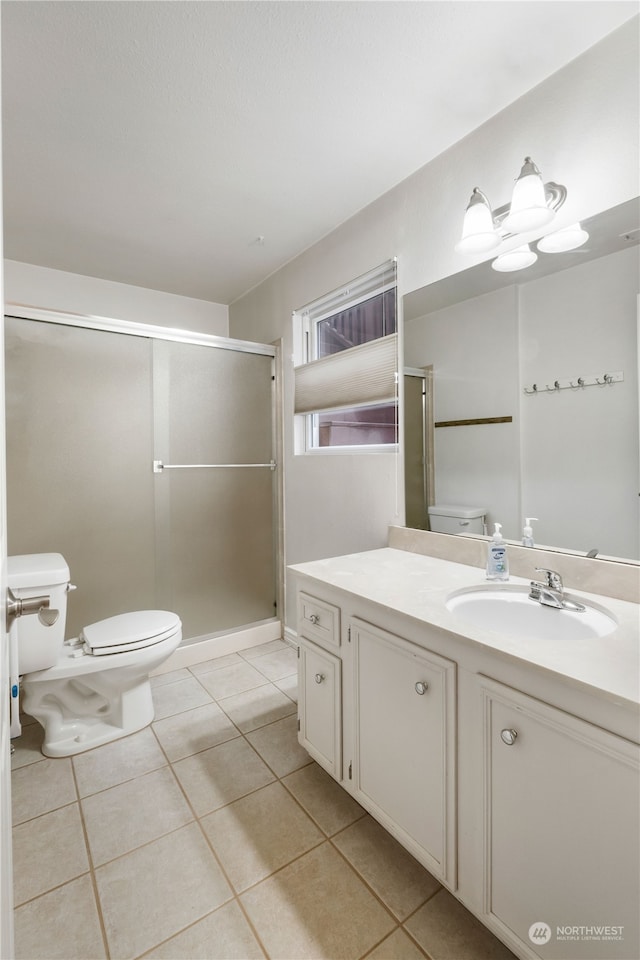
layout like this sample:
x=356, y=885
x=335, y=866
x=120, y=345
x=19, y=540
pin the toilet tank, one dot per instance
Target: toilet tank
x=39, y=575
x=455, y=519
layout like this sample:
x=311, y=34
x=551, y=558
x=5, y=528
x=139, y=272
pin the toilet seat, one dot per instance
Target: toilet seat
x=127, y=631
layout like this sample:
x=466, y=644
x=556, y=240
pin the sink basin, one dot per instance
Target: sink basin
x=509, y=610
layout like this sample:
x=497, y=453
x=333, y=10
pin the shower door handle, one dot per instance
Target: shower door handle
x=17, y=607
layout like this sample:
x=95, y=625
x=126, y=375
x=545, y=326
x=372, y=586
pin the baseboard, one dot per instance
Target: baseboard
x=290, y=636
x=206, y=648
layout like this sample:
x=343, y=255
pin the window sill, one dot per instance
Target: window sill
x=359, y=450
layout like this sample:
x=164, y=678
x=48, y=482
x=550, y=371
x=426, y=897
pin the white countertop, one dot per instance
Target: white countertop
x=417, y=586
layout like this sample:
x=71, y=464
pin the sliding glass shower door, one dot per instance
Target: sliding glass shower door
x=89, y=414
x=214, y=484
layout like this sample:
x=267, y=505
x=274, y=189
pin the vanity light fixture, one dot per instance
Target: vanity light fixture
x=479, y=232
x=568, y=238
x=516, y=259
x=533, y=205
x=529, y=209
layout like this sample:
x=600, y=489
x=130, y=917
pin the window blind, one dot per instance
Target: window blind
x=375, y=281
x=362, y=374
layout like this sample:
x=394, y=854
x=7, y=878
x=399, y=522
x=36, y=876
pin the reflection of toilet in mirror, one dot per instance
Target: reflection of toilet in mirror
x=91, y=689
x=455, y=519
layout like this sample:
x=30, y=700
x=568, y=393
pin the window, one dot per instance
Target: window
x=346, y=385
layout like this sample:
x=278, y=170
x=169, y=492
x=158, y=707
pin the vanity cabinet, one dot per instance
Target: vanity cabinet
x=561, y=829
x=404, y=742
x=512, y=774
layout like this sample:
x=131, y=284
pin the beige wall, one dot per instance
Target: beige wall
x=580, y=126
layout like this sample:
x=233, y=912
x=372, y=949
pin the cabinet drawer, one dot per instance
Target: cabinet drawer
x=318, y=620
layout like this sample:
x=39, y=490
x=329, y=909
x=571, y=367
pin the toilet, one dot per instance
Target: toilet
x=455, y=519
x=94, y=688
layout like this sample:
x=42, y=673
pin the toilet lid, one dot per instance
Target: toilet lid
x=129, y=631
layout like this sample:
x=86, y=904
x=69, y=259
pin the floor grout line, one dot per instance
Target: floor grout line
x=325, y=839
x=92, y=871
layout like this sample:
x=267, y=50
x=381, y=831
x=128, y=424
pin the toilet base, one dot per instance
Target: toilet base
x=69, y=731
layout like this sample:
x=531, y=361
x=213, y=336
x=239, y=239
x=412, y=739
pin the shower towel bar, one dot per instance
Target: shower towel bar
x=159, y=466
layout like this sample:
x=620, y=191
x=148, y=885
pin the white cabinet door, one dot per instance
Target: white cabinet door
x=404, y=762
x=562, y=845
x=319, y=706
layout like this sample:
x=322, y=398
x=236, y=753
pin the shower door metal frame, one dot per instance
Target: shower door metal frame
x=428, y=445
x=157, y=332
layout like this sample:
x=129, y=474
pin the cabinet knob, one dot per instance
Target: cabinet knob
x=319, y=677
x=421, y=688
x=314, y=618
x=509, y=737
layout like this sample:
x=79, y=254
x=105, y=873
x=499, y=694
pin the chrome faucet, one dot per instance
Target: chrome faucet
x=553, y=579
x=550, y=592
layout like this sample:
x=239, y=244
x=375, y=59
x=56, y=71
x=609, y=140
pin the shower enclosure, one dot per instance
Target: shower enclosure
x=146, y=457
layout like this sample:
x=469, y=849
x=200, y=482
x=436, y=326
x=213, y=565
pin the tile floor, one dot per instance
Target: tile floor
x=211, y=834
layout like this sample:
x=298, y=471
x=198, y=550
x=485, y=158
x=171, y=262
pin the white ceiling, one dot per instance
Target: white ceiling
x=153, y=143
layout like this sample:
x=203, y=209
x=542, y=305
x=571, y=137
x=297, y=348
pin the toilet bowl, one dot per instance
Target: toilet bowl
x=93, y=688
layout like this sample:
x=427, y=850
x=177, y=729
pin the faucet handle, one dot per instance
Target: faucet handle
x=552, y=577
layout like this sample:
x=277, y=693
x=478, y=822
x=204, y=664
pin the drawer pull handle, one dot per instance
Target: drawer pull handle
x=509, y=737
x=421, y=688
x=319, y=677
x=314, y=618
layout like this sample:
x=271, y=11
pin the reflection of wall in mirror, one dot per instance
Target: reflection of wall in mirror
x=580, y=447
x=569, y=457
x=472, y=346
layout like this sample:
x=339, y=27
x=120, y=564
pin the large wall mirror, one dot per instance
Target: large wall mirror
x=530, y=406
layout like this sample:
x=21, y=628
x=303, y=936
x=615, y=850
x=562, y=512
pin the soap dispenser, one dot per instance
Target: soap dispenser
x=497, y=560
x=527, y=533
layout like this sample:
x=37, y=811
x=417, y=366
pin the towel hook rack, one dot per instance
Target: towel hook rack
x=576, y=383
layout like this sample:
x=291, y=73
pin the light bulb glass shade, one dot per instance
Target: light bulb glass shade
x=516, y=259
x=569, y=238
x=529, y=208
x=478, y=230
